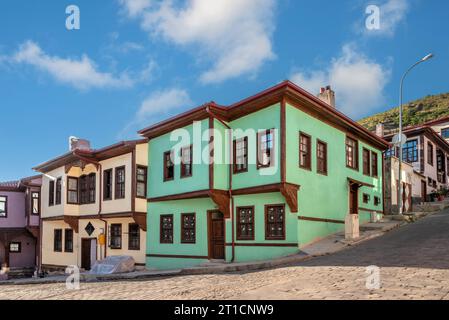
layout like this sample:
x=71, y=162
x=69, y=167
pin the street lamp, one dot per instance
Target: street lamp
x=428, y=57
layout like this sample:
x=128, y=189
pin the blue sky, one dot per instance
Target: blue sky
x=134, y=62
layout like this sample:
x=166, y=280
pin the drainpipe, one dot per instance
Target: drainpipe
x=231, y=197
x=100, y=198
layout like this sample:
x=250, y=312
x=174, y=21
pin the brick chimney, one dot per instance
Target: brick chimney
x=327, y=95
x=79, y=144
x=380, y=130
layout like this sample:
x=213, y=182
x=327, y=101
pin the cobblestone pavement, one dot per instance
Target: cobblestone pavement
x=413, y=261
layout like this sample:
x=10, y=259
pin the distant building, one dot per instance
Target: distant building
x=20, y=208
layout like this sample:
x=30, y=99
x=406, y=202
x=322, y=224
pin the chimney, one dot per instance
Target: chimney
x=79, y=144
x=327, y=95
x=380, y=130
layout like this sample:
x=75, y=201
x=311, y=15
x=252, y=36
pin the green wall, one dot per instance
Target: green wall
x=200, y=173
x=324, y=196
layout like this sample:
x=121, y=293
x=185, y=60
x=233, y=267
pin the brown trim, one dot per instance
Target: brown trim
x=211, y=152
x=355, y=155
x=164, y=163
x=321, y=220
x=111, y=236
x=260, y=134
x=130, y=248
x=145, y=168
x=234, y=155
x=237, y=244
x=71, y=190
x=209, y=230
x=267, y=188
x=183, y=241
x=253, y=223
x=283, y=138
x=177, y=256
x=288, y=90
x=308, y=165
x=133, y=180
x=360, y=183
x=324, y=144
x=267, y=236
x=182, y=196
x=117, y=184
x=58, y=191
x=107, y=197
x=183, y=165
x=366, y=162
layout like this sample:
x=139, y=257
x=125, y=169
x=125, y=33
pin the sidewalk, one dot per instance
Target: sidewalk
x=324, y=246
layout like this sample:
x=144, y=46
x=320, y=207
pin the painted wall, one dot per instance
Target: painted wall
x=268, y=118
x=200, y=171
x=16, y=217
x=325, y=196
x=26, y=258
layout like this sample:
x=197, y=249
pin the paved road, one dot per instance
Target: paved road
x=413, y=262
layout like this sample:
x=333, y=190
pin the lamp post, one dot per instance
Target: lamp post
x=428, y=57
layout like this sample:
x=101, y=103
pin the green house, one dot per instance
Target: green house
x=258, y=179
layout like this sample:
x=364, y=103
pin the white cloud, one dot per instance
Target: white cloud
x=157, y=106
x=358, y=82
x=79, y=73
x=134, y=7
x=233, y=36
x=392, y=13
x=164, y=102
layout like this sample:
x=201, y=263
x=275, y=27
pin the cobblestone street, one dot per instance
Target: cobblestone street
x=413, y=261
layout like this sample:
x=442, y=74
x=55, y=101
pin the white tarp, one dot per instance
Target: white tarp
x=113, y=264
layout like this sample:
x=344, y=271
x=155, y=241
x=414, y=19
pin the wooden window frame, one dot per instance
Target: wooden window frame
x=107, y=184
x=119, y=194
x=83, y=189
x=183, y=165
x=267, y=235
x=261, y=134
x=58, y=191
x=57, y=241
x=244, y=167
x=162, y=241
x=164, y=163
x=72, y=190
x=38, y=203
x=366, y=161
x=241, y=237
x=131, y=247
x=183, y=240
x=430, y=153
x=376, y=201
x=51, y=193
x=144, y=182
x=324, y=144
x=374, y=164
x=92, y=188
x=406, y=151
x=366, y=198
x=355, y=153
x=113, y=236
x=308, y=151
x=19, y=250
x=6, y=207
x=66, y=242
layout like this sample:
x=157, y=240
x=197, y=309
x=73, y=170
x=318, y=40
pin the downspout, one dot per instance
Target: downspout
x=100, y=199
x=231, y=197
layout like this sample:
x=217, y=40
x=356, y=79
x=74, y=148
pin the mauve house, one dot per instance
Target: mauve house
x=20, y=204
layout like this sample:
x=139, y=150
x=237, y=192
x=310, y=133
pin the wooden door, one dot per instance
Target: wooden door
x=423, y=191
x=216, y=235
x=85, y=253
x=353, y=199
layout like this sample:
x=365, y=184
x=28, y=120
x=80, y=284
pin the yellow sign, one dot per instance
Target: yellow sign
x=102, y=239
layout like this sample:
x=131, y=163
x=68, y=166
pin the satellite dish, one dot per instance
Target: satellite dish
x=397, y=139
